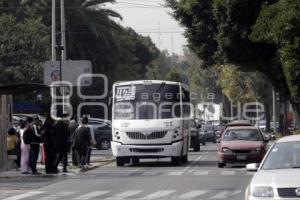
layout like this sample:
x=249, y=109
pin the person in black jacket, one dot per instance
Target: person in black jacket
x=61, y=143
x=49, y=143
x=82, y=141
x=35, y=139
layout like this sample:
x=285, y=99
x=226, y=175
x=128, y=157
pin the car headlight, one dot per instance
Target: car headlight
x=263, y=192
x=226, y=150
x=257, y=150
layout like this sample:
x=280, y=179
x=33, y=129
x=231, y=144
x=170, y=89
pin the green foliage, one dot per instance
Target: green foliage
x=173, y=75
x=24, y=46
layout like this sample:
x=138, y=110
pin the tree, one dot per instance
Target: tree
x=24, y=46
x=239, y=37
x=173, y=75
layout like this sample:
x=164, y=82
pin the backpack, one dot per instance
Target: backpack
x=27, y=135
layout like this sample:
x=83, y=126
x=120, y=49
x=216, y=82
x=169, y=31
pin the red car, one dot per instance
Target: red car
x=242, y=145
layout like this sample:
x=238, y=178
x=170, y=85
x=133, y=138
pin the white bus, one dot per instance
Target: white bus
x=150, y=119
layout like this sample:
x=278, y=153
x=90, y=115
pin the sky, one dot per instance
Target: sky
x=151, y=18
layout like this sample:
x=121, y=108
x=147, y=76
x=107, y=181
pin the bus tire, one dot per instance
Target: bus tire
x=120, y=161
x=197, y=147
x=176, y=161
x=135, y=160
x=185, y=159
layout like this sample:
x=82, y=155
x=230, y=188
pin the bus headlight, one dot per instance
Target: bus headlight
x=176, y=134
x=117, y=134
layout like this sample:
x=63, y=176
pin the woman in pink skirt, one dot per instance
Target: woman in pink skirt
x=24, y=151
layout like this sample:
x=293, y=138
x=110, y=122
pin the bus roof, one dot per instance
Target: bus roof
x=148, y=82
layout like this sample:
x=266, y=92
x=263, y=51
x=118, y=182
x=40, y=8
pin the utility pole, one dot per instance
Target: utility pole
x=53, y=32
x=63, y=30
x=274, y=110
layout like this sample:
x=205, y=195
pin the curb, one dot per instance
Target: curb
x=76, y=172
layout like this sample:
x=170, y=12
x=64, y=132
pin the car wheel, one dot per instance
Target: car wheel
x=221, y=165
x=105, y=144
x=185, y=159
x=120, y=161
x=203, y=143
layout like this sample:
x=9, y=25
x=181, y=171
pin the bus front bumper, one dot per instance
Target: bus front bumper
x=146, y=151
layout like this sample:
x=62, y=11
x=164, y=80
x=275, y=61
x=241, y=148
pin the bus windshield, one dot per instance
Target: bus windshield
x=147, y=101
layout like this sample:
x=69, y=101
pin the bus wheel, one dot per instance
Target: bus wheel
x=135, y=160
x=177, y=161
x=120, y=161
x=185, y=159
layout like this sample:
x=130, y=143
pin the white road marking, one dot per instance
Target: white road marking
x=177, y=173
x=190, y=165
x=25, y=195
x=228, y=173
x=150, y=173
x=158, y=194
x=91, y=195
x=201, y=173
x=225, y=194
x=193, y=194
x=58, y=195
x=124, y=194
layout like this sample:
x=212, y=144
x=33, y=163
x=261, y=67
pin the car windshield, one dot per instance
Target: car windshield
x=283, y=156
x=242, y=134
x=207, y=128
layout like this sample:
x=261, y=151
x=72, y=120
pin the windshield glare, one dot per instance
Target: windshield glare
x=283, y=156
x=242, y=134
x=141, y=101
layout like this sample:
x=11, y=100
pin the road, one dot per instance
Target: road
x=151, y=179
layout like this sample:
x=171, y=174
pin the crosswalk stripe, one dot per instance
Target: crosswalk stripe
x=150, y=173
x=124, y=194
x=201, y=173
x=225, y=194
x=175, y=173
x=158, y=194
x=25, y=195
x=58, y=195
x=91, y=195
x=226, y=173
x=193, y=194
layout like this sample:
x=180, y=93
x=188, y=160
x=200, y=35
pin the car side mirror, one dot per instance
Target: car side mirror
x=253, y=167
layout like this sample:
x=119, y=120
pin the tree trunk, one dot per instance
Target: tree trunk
x=268, y=116
x=296, y=109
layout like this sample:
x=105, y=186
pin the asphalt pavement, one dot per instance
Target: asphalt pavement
x=150, y=179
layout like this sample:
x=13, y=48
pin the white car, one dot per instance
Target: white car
x=278, y=176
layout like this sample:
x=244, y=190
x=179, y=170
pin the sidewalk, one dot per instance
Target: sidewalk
x=96, y=161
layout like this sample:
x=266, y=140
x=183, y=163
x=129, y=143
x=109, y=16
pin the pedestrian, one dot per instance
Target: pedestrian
x=82, y=141
x=93, y=143
x=12, y=145
x=61, y=143
x=25, y=150
x=33, y=137
x=71, y=129
x=47, y=131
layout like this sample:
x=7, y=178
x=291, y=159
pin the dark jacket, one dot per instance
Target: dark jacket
x=48, y=133
x=82, y=139
x=32, y=135
x=61, y=135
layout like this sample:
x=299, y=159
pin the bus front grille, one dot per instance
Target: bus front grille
x=151, y=136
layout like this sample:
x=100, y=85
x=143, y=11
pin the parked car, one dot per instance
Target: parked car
x=278, y=174
x=103, y=132
x=195, y=136
x=242, y=145
x=209, y=133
